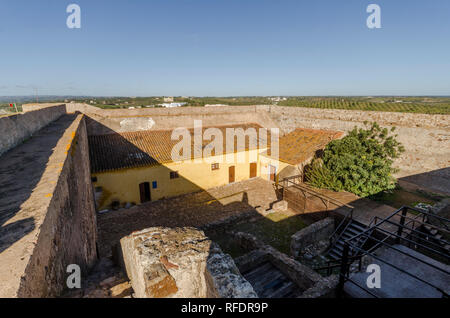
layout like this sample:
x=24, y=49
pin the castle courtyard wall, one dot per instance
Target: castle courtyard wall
x=426, y=138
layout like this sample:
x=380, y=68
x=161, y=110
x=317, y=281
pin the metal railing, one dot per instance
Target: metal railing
x=413, y=236
x=295, y=182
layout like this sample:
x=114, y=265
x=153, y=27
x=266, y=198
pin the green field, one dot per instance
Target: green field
x=408, y=104
x=438, y=105
x=420, y=105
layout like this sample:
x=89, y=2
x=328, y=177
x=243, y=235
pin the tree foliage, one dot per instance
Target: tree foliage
x=360, y=163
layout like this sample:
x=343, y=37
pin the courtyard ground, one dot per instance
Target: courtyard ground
x=403, y=197
x=252, y=197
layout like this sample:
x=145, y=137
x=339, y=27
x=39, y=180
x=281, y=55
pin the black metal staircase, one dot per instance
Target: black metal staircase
x=411, y=241
x=352, y=229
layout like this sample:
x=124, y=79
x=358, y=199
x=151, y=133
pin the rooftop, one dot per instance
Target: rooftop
x=302, y=144
x=147, y=148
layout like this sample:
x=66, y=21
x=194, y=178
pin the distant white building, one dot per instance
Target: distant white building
x=168, y=99
x=169, y=105
x=277, y=99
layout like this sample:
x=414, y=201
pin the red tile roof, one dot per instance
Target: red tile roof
x=143, y=148
x=301, y=144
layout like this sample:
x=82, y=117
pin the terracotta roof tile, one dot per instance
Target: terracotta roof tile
x=143, y=148
x=302, y=144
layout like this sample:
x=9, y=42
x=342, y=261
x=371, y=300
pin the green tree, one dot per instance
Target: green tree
x=360, y=163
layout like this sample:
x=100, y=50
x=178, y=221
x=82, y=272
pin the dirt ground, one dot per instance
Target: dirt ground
x=275, y=229
x=403, y=197
x=197, y=209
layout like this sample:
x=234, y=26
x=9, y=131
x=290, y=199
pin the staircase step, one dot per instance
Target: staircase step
x=334, y=255
x=352, y=230
x=357, y=226
x=339, y=247
x=346, y=235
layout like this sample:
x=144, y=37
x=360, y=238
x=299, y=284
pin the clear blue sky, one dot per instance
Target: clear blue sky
x=225, y=47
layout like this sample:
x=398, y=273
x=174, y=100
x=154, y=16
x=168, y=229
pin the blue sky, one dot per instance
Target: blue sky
x=225, y=48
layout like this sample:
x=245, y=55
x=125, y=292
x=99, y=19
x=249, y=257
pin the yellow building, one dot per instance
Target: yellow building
x=137, y=167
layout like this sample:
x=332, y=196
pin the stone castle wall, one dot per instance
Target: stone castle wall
x=68, y=234
x=48, y=218
x=16, y=128
x=426, y=138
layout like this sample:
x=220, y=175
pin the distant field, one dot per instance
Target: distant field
x=407, y=104
x=438, y=107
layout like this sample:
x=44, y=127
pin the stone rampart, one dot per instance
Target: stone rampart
x=16, y=128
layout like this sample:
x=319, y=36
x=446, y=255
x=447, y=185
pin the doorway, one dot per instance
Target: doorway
x=144, y=190
x=231, y=174
x=272, y=173
x=253, y=167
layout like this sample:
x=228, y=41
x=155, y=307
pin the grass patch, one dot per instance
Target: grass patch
x=275, y=229
x=400, y=197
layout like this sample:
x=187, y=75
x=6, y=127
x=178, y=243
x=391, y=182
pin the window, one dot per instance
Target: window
x=154, y=184
x=94, y=179
x=215, y=166
x=174, y=175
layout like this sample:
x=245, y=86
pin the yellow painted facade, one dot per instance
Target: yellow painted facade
x=123, y=185
x=265, y=163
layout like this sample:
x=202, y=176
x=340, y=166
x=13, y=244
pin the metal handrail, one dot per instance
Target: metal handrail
x=346, y=249
x=288, y=180
x=353, y=244
x=314, y=192
x=333, y=238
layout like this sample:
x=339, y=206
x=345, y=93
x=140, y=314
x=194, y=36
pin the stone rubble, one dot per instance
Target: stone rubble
x=180, y=263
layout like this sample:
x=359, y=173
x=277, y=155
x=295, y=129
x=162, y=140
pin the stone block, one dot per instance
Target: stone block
x=280, y=206
x=311, y=234
x=180, y=263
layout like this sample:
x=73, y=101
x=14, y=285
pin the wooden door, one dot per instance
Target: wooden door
x=272, y=172
x=231, y=174
x=144, y=190
x=253, y=170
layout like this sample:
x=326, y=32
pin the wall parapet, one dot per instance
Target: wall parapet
x=47, y=212
x=16, y=128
